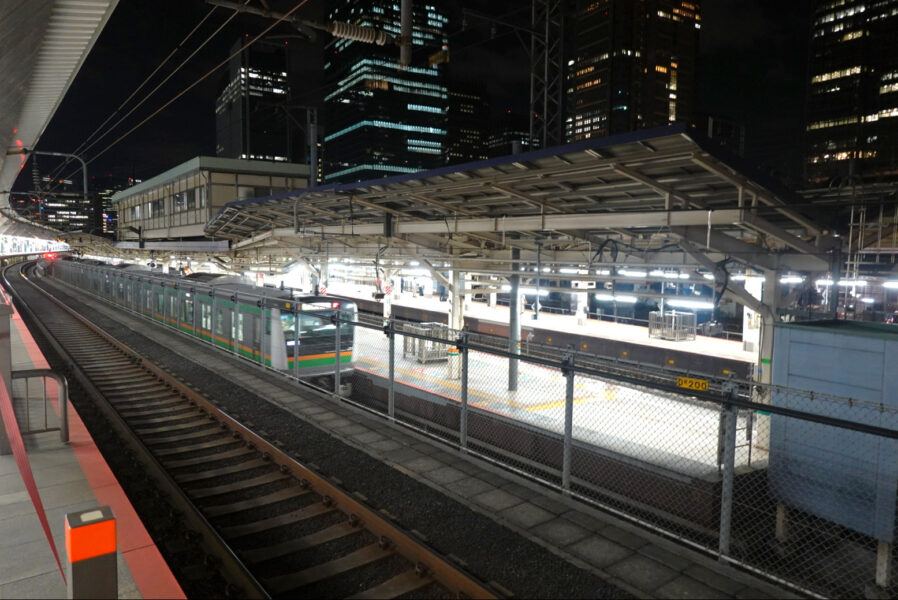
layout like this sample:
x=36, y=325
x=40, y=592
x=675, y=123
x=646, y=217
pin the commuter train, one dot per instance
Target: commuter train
x=265, y=325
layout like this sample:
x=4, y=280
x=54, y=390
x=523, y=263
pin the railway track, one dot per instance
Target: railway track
x=272, y=526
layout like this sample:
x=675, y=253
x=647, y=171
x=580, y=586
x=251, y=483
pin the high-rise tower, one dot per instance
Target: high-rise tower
x=383, y=119
x=852, y=99
x=632, y=65
x=250, y=114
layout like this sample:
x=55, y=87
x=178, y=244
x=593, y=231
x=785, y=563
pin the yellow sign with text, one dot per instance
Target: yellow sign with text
x=698, y=385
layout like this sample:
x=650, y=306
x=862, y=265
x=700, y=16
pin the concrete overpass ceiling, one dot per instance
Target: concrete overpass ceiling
x=45, y=44
x=643, y=191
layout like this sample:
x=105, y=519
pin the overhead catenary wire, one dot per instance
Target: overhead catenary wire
x=82, y=147
x=164, y=81
x=200, y=80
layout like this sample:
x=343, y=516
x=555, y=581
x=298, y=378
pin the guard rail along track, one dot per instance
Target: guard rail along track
x=273, y=526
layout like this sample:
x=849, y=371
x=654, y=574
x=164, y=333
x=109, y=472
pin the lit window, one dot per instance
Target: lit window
x=835, y=74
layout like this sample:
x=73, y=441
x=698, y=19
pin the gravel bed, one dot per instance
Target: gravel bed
x=491, y=551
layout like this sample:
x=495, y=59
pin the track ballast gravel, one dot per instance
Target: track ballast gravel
x=491, y=551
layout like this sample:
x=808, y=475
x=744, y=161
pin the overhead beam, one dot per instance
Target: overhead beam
x=662, y=189
x=764, y=226
x=740, y=181
x=739, y=294
x=540, y=223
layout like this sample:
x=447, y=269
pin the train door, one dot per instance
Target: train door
x=186, y=314
x=171, y=301
x=159, y=304
x=148, y=298
x=204, y=318
x=222, y=334
x=246, y=331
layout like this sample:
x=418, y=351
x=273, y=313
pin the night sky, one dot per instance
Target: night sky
x=752, y=68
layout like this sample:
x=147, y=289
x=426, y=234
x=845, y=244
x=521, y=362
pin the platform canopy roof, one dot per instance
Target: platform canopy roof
x=45, y=44
x=658, y=197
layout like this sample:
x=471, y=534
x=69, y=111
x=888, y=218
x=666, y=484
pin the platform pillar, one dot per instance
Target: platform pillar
x=514, y=322
x=767, y=320
x=322, y=277
x=5, y=368
x=90, y=544
x=456, y=320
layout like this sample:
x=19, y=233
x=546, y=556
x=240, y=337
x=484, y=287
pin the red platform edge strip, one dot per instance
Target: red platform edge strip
x=151, y=574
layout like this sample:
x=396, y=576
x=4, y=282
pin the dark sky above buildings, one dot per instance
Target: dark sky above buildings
x=751, y=68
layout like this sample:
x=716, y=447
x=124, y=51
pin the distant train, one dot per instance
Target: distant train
x=265, y=325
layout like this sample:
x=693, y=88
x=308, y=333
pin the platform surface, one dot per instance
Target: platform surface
x=622, y=332
x=70, y=477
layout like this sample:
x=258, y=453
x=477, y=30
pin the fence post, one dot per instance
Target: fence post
x=568, y=371
x=296, y=341
x=336, y=321
x=730, y=414
x=463, y=417
x=390, y=330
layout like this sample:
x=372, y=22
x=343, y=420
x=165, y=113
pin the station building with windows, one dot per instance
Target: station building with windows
x=178, y=203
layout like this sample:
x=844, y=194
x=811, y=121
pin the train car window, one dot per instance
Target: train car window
x=219, y=322
x=159, y=303
x=206, y=317
x=312, y=326
x=238, y=327
x=187, y=310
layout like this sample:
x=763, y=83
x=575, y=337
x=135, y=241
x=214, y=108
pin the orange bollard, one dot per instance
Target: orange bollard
x=91, y=551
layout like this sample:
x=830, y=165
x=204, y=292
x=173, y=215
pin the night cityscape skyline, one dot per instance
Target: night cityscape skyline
x=762, y=92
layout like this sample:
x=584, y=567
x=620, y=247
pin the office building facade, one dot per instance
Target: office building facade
x=251, y=121
x=467, y=125
x=852, y=92
x=632, y=65
x=384, y=120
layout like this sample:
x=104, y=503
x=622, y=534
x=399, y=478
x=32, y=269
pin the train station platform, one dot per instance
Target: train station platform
x=69, y=477
x=623, y=332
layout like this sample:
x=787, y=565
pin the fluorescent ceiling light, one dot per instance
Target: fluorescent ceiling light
x=890, y=285
x=613, y=298
x=628, y=273
x=696, y=304
x=867, y=300
x=852, y=283
x=824, y=282
x=791, y=279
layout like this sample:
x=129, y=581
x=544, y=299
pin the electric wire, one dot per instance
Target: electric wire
x=200, y=80
x=81, y=147
x=191, y=86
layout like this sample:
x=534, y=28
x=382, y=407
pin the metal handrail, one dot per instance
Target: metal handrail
x=63, y=391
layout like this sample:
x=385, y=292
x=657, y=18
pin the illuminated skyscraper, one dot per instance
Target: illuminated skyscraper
x=467, y=125
x=251, y=121
x=381, y=119
x=852, y=101
x=632, y=65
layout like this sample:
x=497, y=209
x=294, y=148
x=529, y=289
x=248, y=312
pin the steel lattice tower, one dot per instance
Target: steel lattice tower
x=547, y=73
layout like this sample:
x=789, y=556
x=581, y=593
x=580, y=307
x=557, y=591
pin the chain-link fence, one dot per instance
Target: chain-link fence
x=797, y=485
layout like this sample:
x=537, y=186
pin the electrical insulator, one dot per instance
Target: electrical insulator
x=369, y=35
